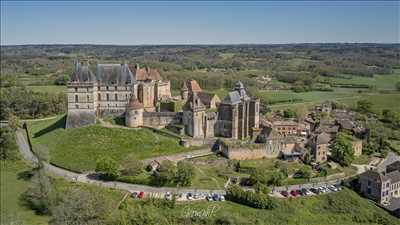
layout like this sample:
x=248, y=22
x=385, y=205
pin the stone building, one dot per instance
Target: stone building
x=320, y=147
x=134, y=92
x=238, y=114
x=380, y=186
x=108, y=90
x=356, y=145
x=134, y=113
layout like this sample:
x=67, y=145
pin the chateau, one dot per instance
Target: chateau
x=137, y=93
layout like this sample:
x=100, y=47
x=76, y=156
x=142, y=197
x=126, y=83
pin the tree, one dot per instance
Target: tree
x=131, y=166
x=108, y=168
x=341, y=149
x=79, y=206
x=364, y=106
x=165, y=174
x=13, y=122
x=305, y=172
x=39, y=196
x=185, y=173
x=288, y=113
x=8, y=146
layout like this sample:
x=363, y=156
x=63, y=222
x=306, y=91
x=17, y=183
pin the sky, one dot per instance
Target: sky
x=198, y=22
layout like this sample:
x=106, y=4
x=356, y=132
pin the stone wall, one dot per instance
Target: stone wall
x=246, y=151
x=161, y=119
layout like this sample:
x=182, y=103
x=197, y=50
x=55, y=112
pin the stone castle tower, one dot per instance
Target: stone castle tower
x=134, y=113
x=194, y=116
x=184, y=92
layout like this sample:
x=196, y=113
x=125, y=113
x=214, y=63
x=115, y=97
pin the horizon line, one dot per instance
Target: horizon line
x=202, y=44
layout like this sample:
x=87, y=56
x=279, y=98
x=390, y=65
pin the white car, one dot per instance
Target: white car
x=221, y=198
x=209, y=198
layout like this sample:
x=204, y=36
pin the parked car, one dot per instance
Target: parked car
x=338, y=187
x=215, y=197
x=168, y=196
x=134, y=195
x=209, y=198
x=221, y=198
x=285, y=193
x=189, y=196
x=303, y=192
x=333, y=188
x=141, y=194
x=314, y=190
x=295, y=193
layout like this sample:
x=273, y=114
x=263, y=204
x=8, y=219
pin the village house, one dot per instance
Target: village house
x=383, y=183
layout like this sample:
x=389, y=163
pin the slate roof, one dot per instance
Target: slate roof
x=346, y=124
x=232, y=98
x=372, y=175
x=82, y=73
x=390, y=159
x=114, y=74
x=206, y=98
x=394, y=176
x=323, y=138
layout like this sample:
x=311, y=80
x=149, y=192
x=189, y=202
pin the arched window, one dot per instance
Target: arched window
x=76, y=89
x=99, y=97
x=87, y=98
x=116, y=97
x=76, y=98
x=108, y=97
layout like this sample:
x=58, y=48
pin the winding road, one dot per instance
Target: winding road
x=28, y=155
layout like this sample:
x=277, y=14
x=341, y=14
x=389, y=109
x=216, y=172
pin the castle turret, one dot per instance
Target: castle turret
x=184, y=91
x=134, y=113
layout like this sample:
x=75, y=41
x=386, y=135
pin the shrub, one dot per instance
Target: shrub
x=249, y=198
x=108, y=168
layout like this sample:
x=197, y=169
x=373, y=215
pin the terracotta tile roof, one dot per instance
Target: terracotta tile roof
x=193, y=86
x=134, y=103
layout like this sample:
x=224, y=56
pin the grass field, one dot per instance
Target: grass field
x=79, y=148
x=344, y=208
x=48, y=88
x=12, y=185
x=381, y=82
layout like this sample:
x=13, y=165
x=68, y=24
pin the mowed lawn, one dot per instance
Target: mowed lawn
x=79, y=148
x=13, y=184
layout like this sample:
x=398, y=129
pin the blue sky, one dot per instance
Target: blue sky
x=201, y=22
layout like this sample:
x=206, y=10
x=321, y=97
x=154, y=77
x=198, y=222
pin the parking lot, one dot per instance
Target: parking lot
x=304, y=192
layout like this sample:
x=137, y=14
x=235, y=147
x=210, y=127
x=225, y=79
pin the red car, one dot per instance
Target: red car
x=285, y=193
x=295, y=193
x=141, y=194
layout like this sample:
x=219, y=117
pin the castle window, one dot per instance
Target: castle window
x=76, y=98
x=108, y=97
x=99, y=97
x=88, y=98
x=116, y=97
x=126, y=96
x=77, y=106
x=76, y=89
x=87, y=89
x=107, y=88
x=88, y=107
x=115, y=87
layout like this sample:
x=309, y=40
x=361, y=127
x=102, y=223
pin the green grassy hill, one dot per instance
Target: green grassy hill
x=79, y=148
